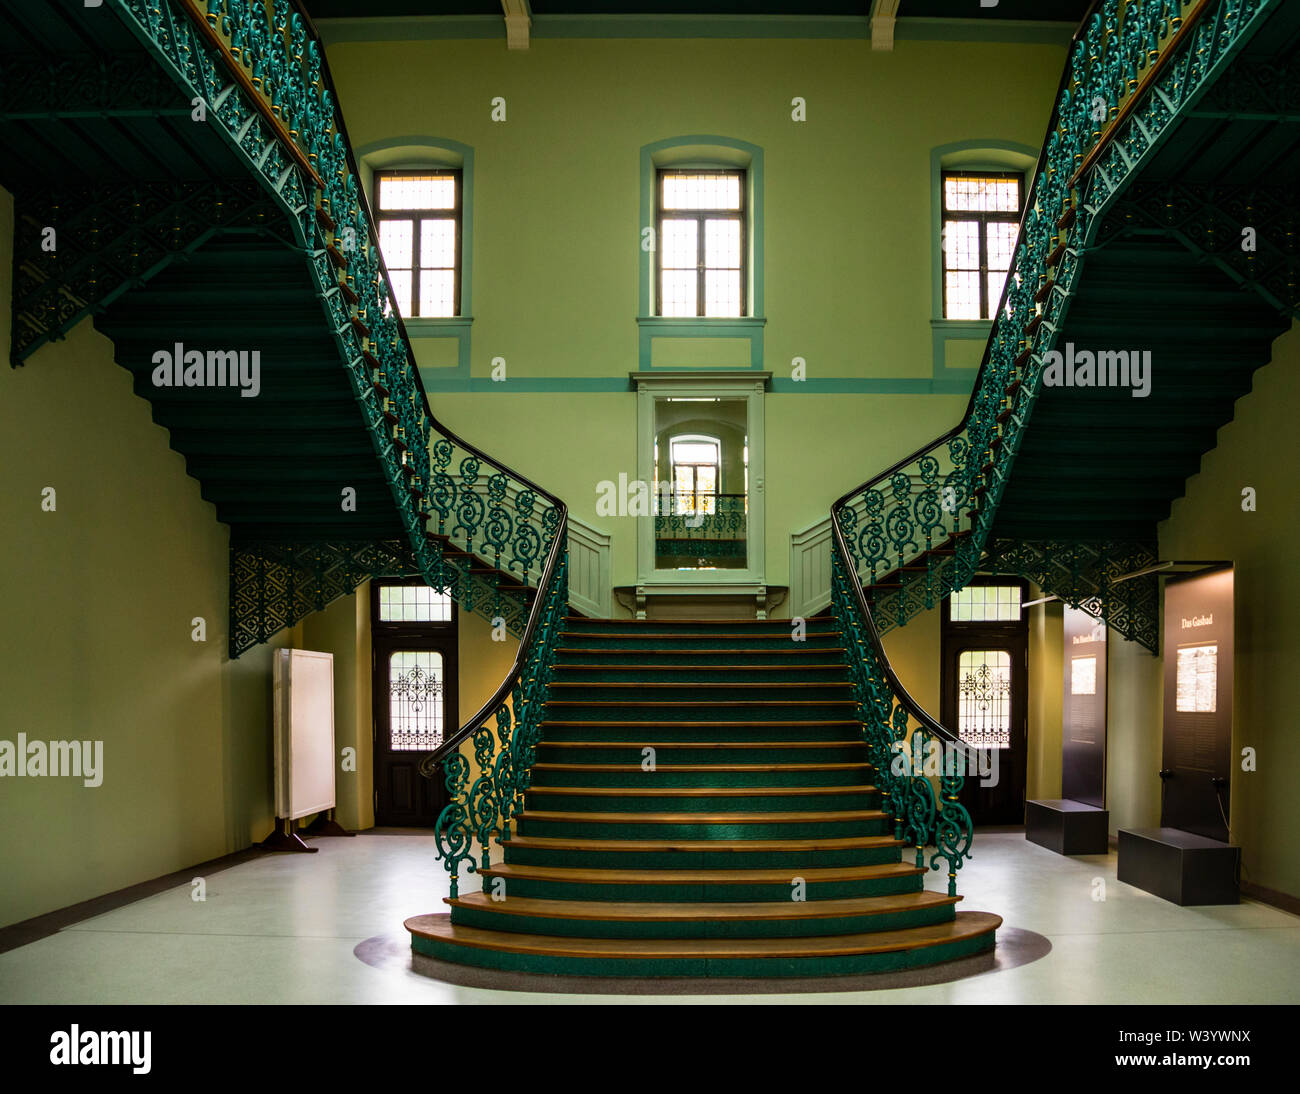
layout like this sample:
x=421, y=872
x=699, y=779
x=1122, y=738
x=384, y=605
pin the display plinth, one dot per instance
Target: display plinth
x=1179, y=866
x=1067, y=827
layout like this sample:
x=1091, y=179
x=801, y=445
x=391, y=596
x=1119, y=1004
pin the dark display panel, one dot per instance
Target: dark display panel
x=1198, y=655
x=1083, y=715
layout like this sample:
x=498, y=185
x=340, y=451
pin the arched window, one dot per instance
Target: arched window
x=696, y=464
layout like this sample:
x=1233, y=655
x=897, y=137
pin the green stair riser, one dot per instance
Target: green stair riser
x=667, y=758
x=695, y=892
x=691, y=642
x=592, y=656
x=703, y=860
x=643, y=629
x=699, y=709
x=759, y=928
x=686, y=675
x=665, y=777
x=719, y=831
x=850, y=732
x=757, y=802
x=683, y=691
x=845, y=965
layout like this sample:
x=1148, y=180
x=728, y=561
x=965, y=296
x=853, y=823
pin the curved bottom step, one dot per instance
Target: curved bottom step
x=839, y=955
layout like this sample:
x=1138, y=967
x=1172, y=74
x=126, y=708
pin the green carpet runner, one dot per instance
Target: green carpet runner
x=702, y=805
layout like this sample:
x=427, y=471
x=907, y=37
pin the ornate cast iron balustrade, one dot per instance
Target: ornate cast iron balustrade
x=261, y=71
x=712, y=517
x=901, y=737
x=485, y=805
x=917, y=532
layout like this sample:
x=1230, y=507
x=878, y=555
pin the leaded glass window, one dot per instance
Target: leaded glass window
x=413, y=604
x=985, y=604
x=702, y=244
x=419, y=219
x=984, y=698
x=981, y=217
x=415, y=689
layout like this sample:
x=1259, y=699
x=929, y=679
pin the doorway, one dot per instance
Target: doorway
x=414, y=674
x=984, y=653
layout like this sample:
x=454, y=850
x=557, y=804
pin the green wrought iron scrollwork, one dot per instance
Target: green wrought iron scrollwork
x=274, y=585
x=503, y=756
x=918, y=532
x=899, y=735
x=260, y=68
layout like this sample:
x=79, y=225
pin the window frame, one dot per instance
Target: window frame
x=700, y=216
x=984, y=218
x=408, y=628
x=414, y=216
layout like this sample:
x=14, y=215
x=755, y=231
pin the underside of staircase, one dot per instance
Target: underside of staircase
x=702, y=805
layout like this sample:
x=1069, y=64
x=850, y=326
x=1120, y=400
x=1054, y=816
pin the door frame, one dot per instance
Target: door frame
x=385, y=638
x=747, y=385
x=957, y=637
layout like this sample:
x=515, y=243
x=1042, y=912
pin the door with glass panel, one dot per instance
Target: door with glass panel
x=984, y=653
x=413, y=632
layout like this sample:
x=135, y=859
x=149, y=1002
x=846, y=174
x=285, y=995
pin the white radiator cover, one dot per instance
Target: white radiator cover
x=304, y=732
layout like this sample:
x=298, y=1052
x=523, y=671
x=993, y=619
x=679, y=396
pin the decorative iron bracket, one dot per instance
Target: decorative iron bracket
x=274, y=585
x=75, y=252
x=1083, y=575
x=1248, y=232
x=86, y=86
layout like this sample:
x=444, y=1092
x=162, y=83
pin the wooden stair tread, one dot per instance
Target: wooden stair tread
x=693, y=911
x=577, y=843
x=642, y=650
x=782, y=635
x=704, y=818
x=732, y=723
x=699, y=791
x=695, y=703
x=742, y=769
x=967, y=925
x=699, y=622
x=771, y=876
x=691, y=668
x=700, y=744
x=702, y=684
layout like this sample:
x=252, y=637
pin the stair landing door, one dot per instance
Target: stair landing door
x=984, y=654
x=414, y=677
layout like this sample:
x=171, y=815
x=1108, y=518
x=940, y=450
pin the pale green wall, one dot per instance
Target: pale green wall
x=1046, y=685
x=95, y=616
x=1209, y=523
x=343, y=629
x=1133, y=705
x=557, y=191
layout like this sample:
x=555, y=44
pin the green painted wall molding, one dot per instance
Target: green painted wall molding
x=793, y=27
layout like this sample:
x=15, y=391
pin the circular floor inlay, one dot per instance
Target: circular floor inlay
x=392, y=952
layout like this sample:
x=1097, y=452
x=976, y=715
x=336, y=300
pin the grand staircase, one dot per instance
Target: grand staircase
x=1171, y=140
x=702, y=804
